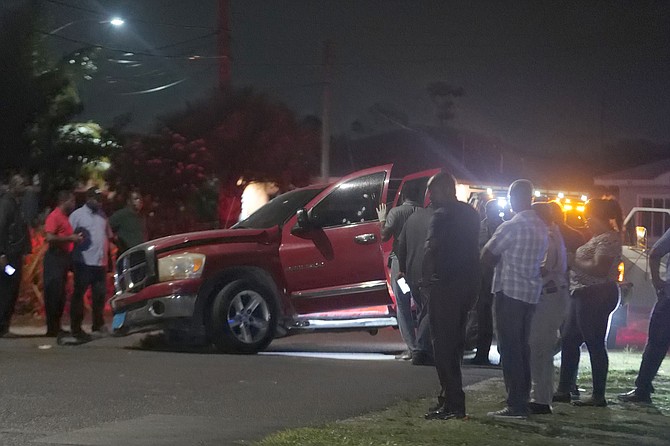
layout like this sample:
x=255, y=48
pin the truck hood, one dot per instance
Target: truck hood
x=217, y=236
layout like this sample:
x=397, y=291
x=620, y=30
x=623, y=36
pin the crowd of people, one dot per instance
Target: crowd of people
x=541, y=281
x=79, y=241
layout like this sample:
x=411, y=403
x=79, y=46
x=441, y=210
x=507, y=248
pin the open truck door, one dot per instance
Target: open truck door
x=331, y=250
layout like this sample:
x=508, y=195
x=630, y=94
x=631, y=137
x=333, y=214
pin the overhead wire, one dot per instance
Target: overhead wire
x=149, y=22
x=134, y=52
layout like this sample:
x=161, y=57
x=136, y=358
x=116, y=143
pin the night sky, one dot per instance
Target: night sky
x=540, y=75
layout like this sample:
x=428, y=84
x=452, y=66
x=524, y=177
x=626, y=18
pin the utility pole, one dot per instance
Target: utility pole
x=224, y=45
x=325, y=118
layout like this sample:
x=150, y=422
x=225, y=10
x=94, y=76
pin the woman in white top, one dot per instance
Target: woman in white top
x=595, y=294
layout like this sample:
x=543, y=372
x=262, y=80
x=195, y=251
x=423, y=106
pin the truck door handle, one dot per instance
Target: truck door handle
x=365, y=239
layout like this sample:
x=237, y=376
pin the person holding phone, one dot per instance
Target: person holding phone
x=391, y=226
x=14, y=244
x=411, y=252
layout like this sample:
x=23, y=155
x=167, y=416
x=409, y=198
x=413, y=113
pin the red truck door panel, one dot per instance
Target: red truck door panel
x=339, y=264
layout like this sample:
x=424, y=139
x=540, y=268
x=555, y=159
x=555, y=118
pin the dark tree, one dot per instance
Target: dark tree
x=220, y=140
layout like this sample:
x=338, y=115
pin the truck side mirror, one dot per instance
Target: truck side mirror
x=304, y=222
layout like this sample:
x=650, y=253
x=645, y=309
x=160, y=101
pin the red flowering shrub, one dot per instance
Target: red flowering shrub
x=222, y=139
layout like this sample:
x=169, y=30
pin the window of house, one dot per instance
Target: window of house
x=352, y=202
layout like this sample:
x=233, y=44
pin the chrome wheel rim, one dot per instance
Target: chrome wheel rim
x=248, y=317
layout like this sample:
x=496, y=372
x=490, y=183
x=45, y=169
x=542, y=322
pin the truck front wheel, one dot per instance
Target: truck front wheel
x=243, y=318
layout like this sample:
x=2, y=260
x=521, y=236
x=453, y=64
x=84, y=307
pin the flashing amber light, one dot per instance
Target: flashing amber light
x=580, y=208
x=620, y=269
x=567, y=200
x=567, y=207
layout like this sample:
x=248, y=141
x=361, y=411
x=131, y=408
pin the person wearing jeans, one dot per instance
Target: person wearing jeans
x=88, y=276
x=411, y=251
x=90, y=258
x=595, y=294
x=517, y=249
x=588, y=317
x=391, y=227
x=659, y=327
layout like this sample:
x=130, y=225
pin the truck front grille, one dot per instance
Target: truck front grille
x=133, y=270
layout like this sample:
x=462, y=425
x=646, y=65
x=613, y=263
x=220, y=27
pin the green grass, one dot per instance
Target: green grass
x=403, y=423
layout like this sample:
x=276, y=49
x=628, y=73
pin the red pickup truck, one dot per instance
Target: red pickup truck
x=310, y=259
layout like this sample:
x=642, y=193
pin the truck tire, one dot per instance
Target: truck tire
x=243, y=319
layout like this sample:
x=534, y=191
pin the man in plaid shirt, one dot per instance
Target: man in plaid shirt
x=517, y=249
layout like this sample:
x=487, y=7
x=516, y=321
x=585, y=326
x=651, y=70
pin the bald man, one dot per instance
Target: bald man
x=451, y=267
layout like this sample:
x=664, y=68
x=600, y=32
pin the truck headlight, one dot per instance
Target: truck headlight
x=180, y=266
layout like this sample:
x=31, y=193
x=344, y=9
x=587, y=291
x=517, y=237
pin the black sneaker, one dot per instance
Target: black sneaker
x=635, y=396
x=82, y=336
x=561, y=397
x=508, y=414
x=590, y=402
x=539, y=409
x=444, y=414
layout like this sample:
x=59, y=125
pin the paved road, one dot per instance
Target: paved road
x=109, y=392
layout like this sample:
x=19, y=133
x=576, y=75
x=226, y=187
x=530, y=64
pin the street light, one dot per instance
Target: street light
x=116, y=21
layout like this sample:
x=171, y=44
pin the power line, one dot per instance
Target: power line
x=243, y=63
x=134, y=52
x=148, y=22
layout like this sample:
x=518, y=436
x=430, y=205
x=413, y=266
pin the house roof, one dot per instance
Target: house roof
x=648, y=171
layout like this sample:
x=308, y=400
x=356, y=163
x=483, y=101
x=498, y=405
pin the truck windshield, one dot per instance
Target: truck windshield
x=279, y=209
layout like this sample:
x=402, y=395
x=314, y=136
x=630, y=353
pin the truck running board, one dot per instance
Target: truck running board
x=343, y=324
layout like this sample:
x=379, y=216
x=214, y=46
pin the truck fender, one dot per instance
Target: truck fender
x=209, y=289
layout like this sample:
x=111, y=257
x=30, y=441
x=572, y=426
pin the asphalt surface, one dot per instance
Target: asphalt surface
x=111, y=392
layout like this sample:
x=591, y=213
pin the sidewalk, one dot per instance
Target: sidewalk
x=29, y=326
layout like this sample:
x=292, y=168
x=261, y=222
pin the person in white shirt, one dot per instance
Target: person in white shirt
x=90, y=259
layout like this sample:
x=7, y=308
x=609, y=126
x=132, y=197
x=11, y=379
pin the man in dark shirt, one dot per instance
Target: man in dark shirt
x=14, y=244
x=391, y=226
x=451, y=266
x=128, y=224
x=411, y=251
